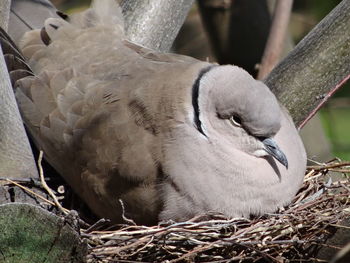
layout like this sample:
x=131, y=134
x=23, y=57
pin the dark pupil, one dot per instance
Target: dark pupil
x=237, y=119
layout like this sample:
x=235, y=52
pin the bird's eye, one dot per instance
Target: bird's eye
x=236, y=121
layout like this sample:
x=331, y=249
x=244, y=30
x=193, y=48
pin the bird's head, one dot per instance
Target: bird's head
x=231, y=105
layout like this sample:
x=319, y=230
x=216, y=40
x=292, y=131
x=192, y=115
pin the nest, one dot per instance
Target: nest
x=294, y=233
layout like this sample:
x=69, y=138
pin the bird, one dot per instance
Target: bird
x=151, y=136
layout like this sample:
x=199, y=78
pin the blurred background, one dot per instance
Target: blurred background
x=239, y=38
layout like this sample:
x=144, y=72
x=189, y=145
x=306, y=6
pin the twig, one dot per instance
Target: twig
x=191, y=253
x=328, y=166
x=324, y=100
x=31, y=192
x=97, y=225
x=46, y=187
x=130, y=221
x=275, y=42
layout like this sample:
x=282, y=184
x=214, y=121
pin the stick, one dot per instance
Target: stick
x=46, y=187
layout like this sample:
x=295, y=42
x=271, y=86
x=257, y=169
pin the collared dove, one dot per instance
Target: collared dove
x=168, y=135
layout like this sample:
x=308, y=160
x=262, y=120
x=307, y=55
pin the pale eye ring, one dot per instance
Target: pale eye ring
x=236, y=121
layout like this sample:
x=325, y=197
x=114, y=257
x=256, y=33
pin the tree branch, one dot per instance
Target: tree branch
x=316, y=68
x=155, y=24
x=16, y=158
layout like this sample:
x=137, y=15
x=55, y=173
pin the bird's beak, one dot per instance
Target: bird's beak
x=272, y=148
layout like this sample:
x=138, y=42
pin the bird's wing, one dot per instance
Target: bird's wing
x=80, y=109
